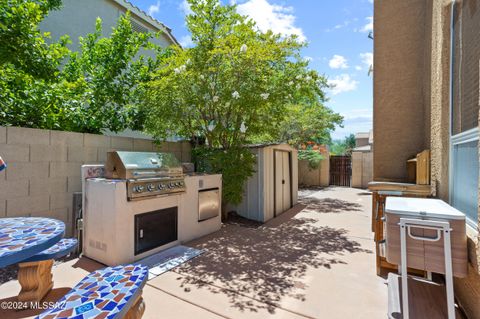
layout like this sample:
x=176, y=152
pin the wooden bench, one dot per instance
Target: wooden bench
x=112, y=292
x=35, y=273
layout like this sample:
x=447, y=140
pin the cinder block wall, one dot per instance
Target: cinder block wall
x=362, y=169
x=314, y=177
x=43, y=167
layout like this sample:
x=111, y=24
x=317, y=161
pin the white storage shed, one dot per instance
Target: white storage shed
x=273, y=188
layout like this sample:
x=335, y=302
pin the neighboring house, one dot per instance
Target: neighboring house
x=363, y=141
x=426, y=96
x=77, y=18
x=362, y=160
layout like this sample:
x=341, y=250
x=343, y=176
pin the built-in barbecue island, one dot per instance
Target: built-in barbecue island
x=144, y=204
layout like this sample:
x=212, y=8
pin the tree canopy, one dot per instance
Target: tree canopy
x=236, y=84
x=343, y=147
x=45, y=85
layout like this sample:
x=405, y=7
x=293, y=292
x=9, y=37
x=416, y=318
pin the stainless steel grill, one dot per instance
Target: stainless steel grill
x=147, y=173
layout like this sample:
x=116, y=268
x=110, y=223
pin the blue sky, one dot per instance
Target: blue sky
x=337, y=33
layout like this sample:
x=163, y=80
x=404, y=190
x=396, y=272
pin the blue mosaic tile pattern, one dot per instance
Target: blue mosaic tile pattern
x=3, y=165
x=60, y=249
x=107, y=293
x=23, y=237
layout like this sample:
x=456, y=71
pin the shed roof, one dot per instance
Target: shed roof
x=260, y=145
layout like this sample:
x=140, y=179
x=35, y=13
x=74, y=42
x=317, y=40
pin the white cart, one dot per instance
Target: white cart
x=419, y=235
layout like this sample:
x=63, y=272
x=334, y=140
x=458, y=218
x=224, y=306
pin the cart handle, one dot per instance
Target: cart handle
x=425, y=238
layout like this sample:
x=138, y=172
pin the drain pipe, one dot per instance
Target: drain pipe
x=450, y=126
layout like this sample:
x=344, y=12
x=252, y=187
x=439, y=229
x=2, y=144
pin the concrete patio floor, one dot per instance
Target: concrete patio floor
x=315, y=261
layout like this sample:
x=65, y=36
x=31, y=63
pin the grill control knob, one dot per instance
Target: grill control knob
x=150, y=187
x=138, y=189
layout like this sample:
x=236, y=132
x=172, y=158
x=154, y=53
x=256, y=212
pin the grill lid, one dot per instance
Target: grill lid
x=128, y=165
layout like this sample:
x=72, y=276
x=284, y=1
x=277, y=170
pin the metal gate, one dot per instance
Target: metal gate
x=340, y=170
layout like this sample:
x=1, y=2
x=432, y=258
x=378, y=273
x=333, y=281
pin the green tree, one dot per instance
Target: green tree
x=29, y=65
x=108, y=73
x=233, y=86
x=350, y=143
x=343, y=147
x=308, y=122
x=22, y=45
x=98, y=87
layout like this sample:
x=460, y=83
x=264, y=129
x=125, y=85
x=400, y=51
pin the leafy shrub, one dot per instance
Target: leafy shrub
x=235, y=164
x=313, y=157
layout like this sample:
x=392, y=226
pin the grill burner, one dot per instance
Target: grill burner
x=148, y=174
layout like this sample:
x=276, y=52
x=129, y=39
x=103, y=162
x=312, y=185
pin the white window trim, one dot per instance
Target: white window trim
x=470, y=135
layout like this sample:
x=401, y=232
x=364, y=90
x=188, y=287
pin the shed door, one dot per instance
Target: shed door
x=283, y=191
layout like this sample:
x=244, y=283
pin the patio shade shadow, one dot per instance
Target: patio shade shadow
x=329, y=205
x=87, y=264
x=266, y=263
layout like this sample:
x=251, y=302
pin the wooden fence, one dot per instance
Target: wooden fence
x=340, y=170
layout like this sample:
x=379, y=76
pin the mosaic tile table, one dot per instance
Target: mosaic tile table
x=113, y=292
x=22, y=238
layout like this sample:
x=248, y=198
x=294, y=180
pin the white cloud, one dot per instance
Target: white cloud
x=355, y=120
x=352, y=126
x=338, y=62
x=342, y=83
x=185, y=7
x=308, y=58
x=342, y=25
x=186, y=41
x=367, y=58
x=273, y=17
x=369, y=26
x=358, y=67
x=154, y=8
x=358, y=113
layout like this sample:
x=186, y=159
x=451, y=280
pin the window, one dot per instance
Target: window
x=464, y=192
x=464, y=155
x=466, y=57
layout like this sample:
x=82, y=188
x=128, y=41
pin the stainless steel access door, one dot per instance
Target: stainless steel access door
x=208, y=204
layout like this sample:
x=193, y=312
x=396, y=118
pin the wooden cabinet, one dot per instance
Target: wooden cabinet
x=418, y=169
x=380, y=192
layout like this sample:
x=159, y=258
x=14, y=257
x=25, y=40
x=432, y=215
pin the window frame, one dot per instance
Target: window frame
x=471, y=135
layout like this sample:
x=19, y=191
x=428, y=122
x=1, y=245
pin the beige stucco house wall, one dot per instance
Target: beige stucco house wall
x=412, y=102
x=77, y=19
